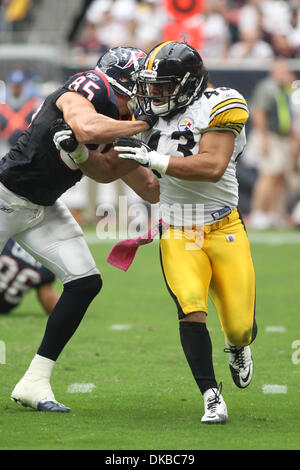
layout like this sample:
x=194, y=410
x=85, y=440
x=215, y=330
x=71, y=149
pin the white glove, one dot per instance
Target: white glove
x=143, y=155
x=79, y=155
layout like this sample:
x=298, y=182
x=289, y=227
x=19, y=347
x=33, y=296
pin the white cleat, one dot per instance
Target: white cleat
x=240, y=364
x=35, y=391
x=214, y=406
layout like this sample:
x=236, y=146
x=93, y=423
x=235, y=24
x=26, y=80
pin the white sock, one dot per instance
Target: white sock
x=41, y=366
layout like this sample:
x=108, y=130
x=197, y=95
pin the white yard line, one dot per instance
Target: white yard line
x=120, y=327
x=273, y=238
x=275, y=329
x=274, y=389
x=81, y=388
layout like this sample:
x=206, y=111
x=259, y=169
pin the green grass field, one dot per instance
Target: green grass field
x=141, y=392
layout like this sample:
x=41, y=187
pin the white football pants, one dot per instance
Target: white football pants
x=49, y=233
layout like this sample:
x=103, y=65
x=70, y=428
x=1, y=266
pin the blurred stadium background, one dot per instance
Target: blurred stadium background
x=144, y=397
x=241, y=41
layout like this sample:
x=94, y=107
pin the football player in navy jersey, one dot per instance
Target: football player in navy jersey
x=19, y=273
x=33, y=175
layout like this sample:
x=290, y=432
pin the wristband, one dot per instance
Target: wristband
x=80, y=155
x=158, y=162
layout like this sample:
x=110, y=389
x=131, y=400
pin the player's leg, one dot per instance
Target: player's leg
x=58, y=243
x=232, y=291
x=15, y=216
x=187, y=273
x=12, y=218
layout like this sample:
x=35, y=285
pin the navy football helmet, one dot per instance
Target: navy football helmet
x=120, y=65
x=178, y=71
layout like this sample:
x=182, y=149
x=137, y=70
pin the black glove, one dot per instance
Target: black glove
x=68, y=145
x=130, y=142
x=150, y=119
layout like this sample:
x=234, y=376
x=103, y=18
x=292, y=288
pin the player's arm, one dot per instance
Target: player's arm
x=144, y=183
x=90, y=126
x=226, y=117
x=210, y=163
x=107, y=167
x=48, y=297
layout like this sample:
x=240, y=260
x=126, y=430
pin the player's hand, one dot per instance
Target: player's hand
x=64, y=139
x=63, y=135
x=131, y=148
x=150, y=119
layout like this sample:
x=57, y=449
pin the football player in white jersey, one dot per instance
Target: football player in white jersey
x=193, y=149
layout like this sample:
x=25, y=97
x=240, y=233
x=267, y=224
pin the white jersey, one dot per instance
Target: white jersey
x=185, y=202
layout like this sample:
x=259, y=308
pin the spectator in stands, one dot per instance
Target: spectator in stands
x=270, y=140
x=251, y=46
x=251, y=16
x=232, y=16
x=150, y=18
x=1, y=16
x=86, y=51
x=272, y=18
x=294, y=31
x=295, y=110
x=282, y=46
x=114, y=21
x=295, y=183
x=216, y=30
x=17, y=13
x=17, y=111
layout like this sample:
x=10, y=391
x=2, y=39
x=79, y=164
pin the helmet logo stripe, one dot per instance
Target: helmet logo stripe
x=155, y=52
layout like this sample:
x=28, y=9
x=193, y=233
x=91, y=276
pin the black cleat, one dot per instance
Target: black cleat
x=52, y=406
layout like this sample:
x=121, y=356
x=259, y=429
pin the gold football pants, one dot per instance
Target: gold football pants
x=213, y=261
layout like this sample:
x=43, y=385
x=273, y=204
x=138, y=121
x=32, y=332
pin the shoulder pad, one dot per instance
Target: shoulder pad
x=228, y=109
x=94, y=86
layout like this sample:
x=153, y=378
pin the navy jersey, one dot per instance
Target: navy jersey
x=34, y=168
x=19, y=272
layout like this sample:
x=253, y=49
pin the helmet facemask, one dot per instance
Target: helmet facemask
x=177, y=93
x=125, y=85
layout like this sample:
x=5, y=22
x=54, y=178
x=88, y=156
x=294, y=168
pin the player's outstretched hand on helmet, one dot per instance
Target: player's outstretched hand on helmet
x=64, y=139
x=131, y=148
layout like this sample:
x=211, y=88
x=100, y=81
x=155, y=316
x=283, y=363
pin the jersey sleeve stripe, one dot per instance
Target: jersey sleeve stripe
x=227, y=102
x=228, y=107
x=230, y=126
x=236, y=115
x=223, y=128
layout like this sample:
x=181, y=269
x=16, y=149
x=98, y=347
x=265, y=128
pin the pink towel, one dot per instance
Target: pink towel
x=122, y=254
